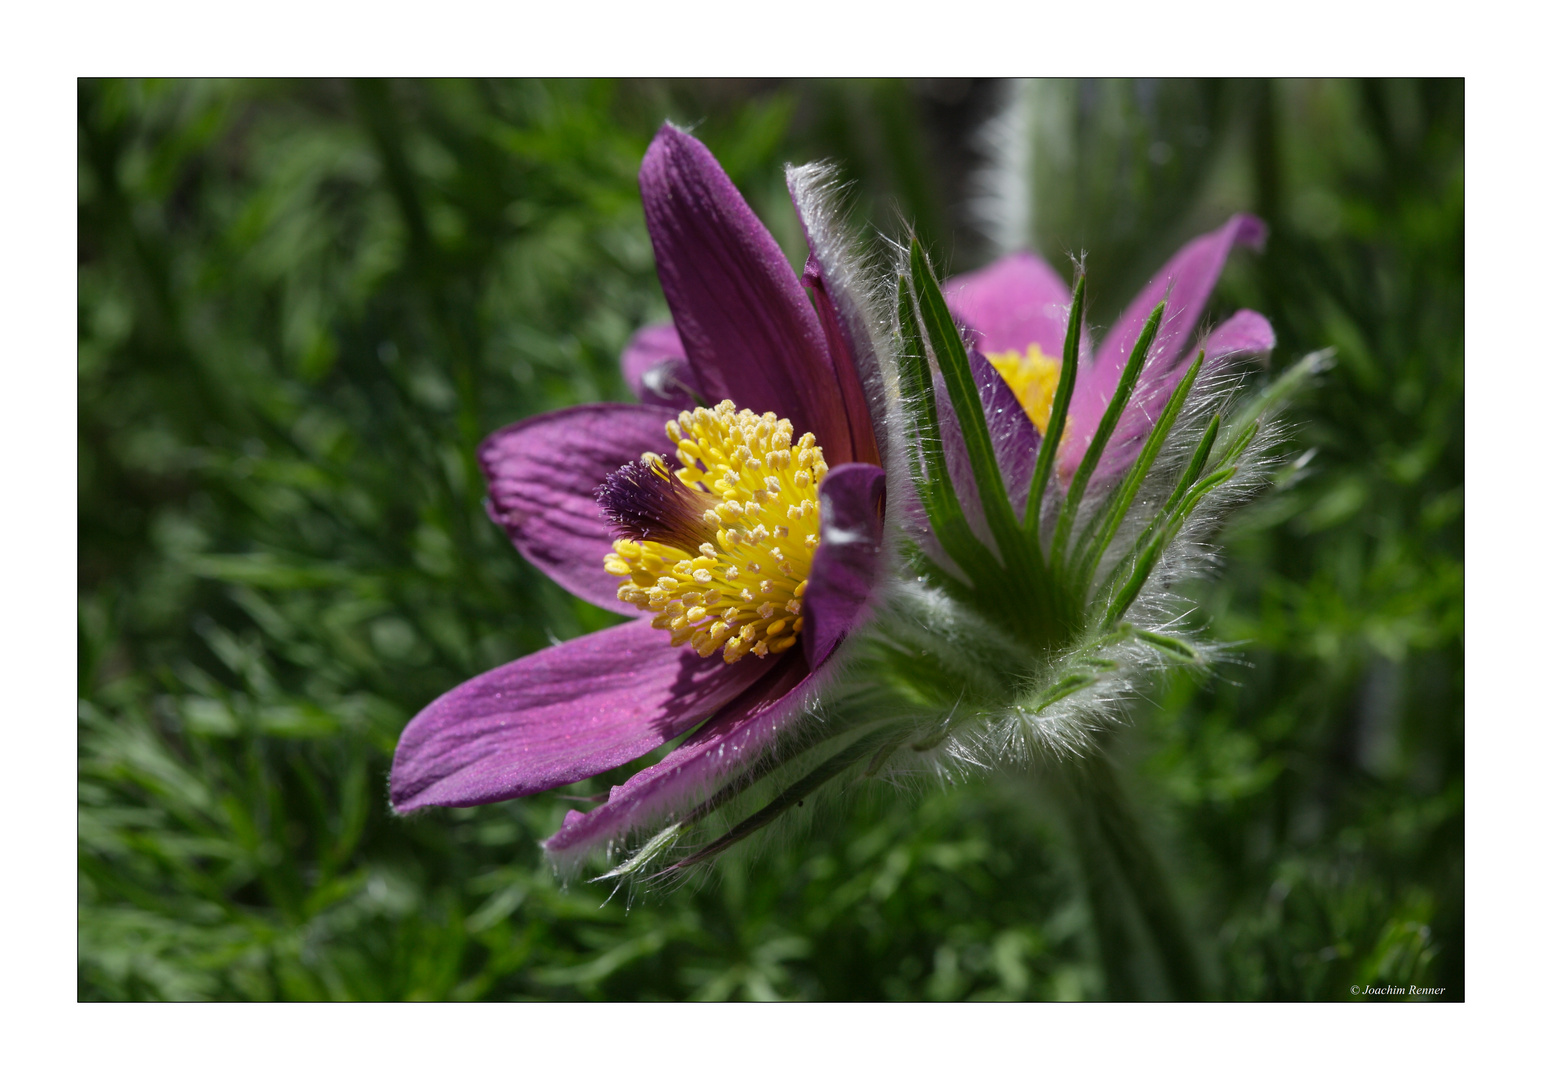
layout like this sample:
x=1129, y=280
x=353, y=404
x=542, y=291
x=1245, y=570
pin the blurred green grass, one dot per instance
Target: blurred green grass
x=302, y=304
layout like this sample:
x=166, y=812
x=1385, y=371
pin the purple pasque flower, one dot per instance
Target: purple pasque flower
x=1060, y=536
x=749, y=563
x=1016, y=311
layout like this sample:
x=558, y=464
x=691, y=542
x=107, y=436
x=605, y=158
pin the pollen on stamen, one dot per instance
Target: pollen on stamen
x=687, y=537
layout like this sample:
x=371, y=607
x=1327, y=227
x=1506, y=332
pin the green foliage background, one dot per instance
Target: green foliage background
x=301, y=305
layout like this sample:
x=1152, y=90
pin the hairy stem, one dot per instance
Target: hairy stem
x=1113, y=851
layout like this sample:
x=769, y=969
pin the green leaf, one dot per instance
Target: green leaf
x=1147, y=557
x=1100, y=532
x=1176, y=648
x=953, y=361
x=792, y=795
x=928, y=465
x=1274, y=397
x=1062, y=689
x=1111, y=415
x=1060, y=406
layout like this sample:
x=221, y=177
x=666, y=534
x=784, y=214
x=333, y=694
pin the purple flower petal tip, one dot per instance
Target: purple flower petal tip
x=737, y=736
x=654, y=366
x=560, y=715
x=848, y=558
x=1246, y=333
x=1184, y=283
x=1251, y=231
x=541, y=477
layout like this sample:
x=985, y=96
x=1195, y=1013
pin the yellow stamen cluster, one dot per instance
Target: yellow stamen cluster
x=760, y=497
x=1033, y=379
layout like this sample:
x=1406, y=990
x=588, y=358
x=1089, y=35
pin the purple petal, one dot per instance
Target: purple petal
x=1013, y=437
x=955, y=456
x=749, y=331
x=654, y=366
x=1015, y=302
x=541, y=478
x=848, y=558
x=560, y=715
x=1186, y=282
x=1246, y=333
x=831, y=274
x=734, y=740
x=906, y=503
x=859, y=421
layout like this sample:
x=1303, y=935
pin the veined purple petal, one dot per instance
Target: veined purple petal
x=848, y=558
x=1015, y=302
x=749, y=331
x=1186, y=282
x=560, y=715
x=734, y=740
x=654, y=366
x=541, y=478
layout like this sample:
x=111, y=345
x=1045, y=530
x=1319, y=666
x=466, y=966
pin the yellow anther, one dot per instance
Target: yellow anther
x=746, y=468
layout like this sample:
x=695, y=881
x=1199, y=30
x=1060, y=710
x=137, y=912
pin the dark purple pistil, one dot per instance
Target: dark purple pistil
x=646, y=503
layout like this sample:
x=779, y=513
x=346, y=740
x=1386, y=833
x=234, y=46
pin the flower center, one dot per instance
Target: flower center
x=720, y=549
x=1033, y=379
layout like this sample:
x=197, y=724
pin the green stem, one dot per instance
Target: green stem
x=1147, y=882
x=1110, y=914
x=1127, y=890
